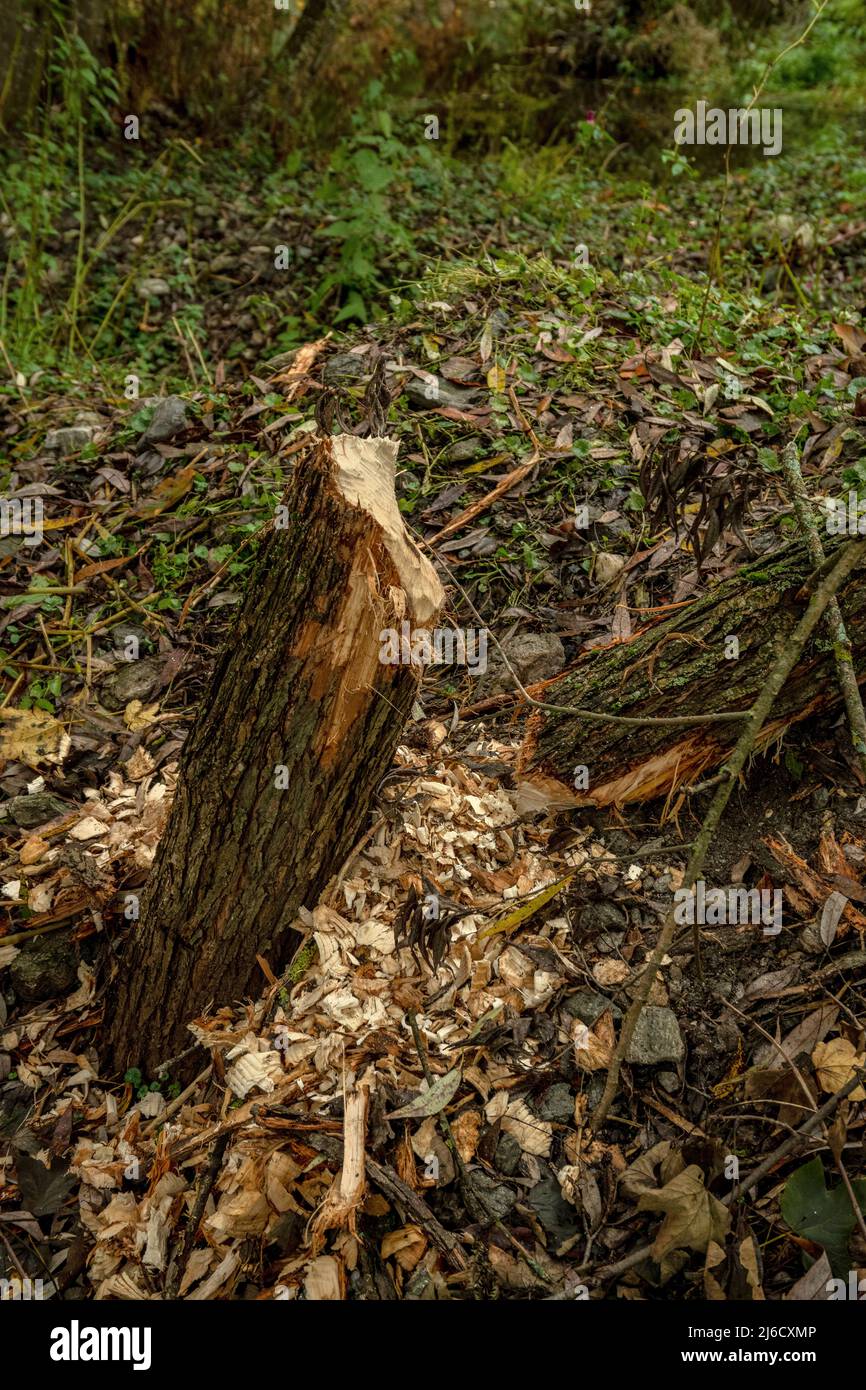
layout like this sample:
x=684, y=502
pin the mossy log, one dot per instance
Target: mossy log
x=298, y=728
x=685, y=665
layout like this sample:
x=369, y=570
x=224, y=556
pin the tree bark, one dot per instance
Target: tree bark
x=679, y=667
x=279, y=771
x=309, y=44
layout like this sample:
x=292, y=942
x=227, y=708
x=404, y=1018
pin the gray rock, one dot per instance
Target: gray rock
x=554, y=1213
x=32, y=811
x=669, y=1081
x=133, y=680
x=556, y=1104
x=508, y=1155
x=431, y=395
x=153, y=287
x=168, y=419
x=69, y=440
x=496, y=1197
x=602, y=916
x=656, y=1038
x=588, y=1006
x=346, y=367
x=533, y=656
x=44, y=968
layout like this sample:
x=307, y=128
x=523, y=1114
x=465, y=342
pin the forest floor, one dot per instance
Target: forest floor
x=483, y=1043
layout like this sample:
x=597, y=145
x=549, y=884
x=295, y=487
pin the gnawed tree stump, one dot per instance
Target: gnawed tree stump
x=277, y=776
x=679, y=667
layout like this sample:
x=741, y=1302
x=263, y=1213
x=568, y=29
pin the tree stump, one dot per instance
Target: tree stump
x=279, y=771
x=684, y=666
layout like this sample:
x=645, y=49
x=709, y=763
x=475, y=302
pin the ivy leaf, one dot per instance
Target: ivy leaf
x=822, y=1215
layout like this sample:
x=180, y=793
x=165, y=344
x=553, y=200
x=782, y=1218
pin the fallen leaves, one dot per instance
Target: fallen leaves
x=835, y=1064
x=32, y=736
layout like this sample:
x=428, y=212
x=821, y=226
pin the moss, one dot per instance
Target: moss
x=302, y=962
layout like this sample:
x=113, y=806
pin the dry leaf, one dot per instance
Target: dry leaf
x=834, y=1064
x=407, y=1245
x=693, y=1217
x=593, y=1048
x=32, y=736
x=533, y=1135
x=137, y=716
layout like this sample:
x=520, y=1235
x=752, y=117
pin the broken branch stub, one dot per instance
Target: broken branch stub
x=298, y=728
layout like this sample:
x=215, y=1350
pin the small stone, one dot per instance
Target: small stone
x=533, y=656
x=508, y=1155
x=588, y=1006
x=425, y=394
x=168, y=419
x=669, y=1081
x=32, y=811
x=69, y=440
x=556, y=1104
x=496, y=1197
x=153, y=287
x=44, y=968
x=656, y=1038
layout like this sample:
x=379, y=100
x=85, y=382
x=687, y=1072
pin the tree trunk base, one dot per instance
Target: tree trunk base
x=278, y=774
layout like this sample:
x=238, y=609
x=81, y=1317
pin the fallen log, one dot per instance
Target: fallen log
x=298, y=728
x=711, y=657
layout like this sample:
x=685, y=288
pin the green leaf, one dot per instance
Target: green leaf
x=370, y=172
x=354, y=308
x=430, y=1102
x=526, y=910
x=821, y=1215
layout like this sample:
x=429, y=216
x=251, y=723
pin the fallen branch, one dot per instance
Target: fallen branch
x=850, y=557
x=835, y=623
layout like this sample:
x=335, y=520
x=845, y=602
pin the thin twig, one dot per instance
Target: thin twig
x=208, y=1178
x=607, y=1272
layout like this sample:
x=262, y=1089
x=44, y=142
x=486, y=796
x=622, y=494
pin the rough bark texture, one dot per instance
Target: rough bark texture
x=678, y=667
x=311, y=40
x=299, y=686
